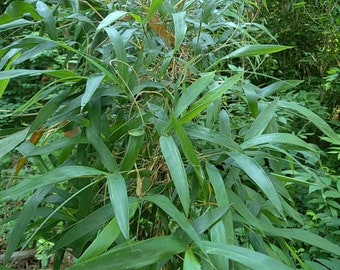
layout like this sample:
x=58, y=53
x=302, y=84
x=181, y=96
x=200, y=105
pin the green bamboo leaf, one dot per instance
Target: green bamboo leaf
x=75, y=5
x=167, y=206
x=303, y=236
x=192, y=92
x=262, y=121
x=36, y=50
x=111, y=18
x=87, y=226
x=209, y=98
x=258, y=49
x=259, y=176
x=119, y=47
x=224, y=123
x=314, y=118
x=135, y=255
x=119, y=201
x=104, y=153
x=280, y=139
x=190, y=261
x=155, y=4
x=180, y=27
x=26, y=214
x=106, y=237
x=209, y=135
x=48, y=110
x=13, y=54
x=92, y=85
x=188, y=149
x=276, y=87
x=243, y=210
x=15, y=24
x=56, y=145
x=249, y=258
x=102, y=242
x=252, y=98
x=223, y=231
x=175, y=165
x=16, y=10
x=132, y=150
x=52, y=177
x=10, y=142
x=48, y=20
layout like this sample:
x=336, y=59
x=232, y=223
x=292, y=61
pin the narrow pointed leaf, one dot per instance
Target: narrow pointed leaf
x=258, y=49
x=119, y=201
x=168, y=207
x=312, y=117
x=262, y=121
x=26, y=214
x=190, y=261
x=192, y=92
x=92, y=85
x=132, y=150
x=135, y=255
x=209, y=98
x=175, y=165
x=89, y=225
x=277, y=87
x=111, y=18
x=259, y=176
x=104, y=153
x=249, y=258
x=52, y=177
x=180, y=28
x=48, y=20
x=10, y=142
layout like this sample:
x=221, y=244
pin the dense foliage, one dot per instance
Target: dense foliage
x=157, y=136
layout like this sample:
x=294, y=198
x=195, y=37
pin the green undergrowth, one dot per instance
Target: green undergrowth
x=153, y=147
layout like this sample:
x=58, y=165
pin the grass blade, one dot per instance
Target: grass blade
x=111, y=18
x=175, y=165
x=119, y=201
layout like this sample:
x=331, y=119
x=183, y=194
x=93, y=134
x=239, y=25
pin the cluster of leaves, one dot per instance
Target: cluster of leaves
x=313, y=28
x=152, y=148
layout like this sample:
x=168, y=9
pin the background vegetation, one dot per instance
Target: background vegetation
x=170, y=134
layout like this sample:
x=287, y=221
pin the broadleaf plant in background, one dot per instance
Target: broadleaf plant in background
x=156, y=148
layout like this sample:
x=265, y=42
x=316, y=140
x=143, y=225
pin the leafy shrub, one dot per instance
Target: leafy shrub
x=153, y=148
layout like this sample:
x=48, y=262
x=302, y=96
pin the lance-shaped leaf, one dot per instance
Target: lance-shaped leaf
x=52, y=177
x=278, y=87
x=259, y=176
x=175, y=165
x=132, y=150
x=180, y=28
x=209, y=98
x=119, y=201
x=10, y=142
x=92, y=85
x=48, y=20
x=111, y=18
